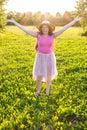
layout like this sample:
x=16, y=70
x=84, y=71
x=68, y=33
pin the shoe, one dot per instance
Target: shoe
x=37, y=94
x=47, y=94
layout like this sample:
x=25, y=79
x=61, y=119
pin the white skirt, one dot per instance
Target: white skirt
x=44, y=66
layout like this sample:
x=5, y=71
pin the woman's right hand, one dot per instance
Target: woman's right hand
x=11, y=20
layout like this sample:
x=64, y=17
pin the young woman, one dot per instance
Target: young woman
x=45, y=62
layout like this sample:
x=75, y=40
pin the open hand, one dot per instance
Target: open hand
x=11, y=20
x=78, y=19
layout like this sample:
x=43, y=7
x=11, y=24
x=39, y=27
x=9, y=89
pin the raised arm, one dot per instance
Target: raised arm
x=57, y=33
x=30, y=32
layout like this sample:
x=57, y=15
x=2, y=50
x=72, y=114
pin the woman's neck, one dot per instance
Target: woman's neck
x=45, y=35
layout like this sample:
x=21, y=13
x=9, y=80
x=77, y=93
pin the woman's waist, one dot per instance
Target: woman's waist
x=45, y=54
x=45, y=51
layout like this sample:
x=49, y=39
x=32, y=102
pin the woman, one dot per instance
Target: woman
x=45, y=62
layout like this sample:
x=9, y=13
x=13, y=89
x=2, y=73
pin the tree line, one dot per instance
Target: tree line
x=30, y=18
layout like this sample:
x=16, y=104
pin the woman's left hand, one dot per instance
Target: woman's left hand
x=78, y=19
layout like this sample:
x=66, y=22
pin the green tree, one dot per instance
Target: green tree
x=81, y=9
x=2, y=13
x=16, y=15
x=57, y=19
x=67, y=17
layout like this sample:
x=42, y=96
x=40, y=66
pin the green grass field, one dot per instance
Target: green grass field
x=66, y=107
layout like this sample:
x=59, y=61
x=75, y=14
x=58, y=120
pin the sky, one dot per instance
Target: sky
x=52, y=6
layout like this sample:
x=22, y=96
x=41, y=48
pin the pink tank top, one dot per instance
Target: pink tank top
x=45, y=44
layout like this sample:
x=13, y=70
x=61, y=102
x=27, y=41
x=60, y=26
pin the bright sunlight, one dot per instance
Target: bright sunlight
x=52, y=6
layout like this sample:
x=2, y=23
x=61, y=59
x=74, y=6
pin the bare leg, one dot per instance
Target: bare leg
x=48, y=82
x=38, y=85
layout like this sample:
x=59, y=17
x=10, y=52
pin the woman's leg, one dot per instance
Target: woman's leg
x=48, y=82
x=38, y=85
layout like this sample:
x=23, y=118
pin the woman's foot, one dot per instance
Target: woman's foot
x=47, y=93
x=37, y=94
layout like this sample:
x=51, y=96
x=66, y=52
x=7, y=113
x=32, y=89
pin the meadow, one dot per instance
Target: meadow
x=66, y=107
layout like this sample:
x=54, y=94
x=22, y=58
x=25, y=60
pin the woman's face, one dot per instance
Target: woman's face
x=45, y=29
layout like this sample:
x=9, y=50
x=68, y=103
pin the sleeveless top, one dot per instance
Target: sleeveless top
x=45, y=43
